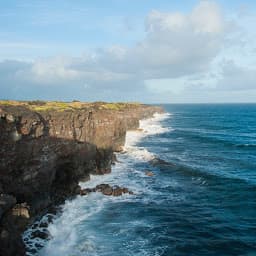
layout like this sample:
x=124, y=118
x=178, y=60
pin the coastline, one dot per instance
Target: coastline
x=41, y=179
x=76, y=211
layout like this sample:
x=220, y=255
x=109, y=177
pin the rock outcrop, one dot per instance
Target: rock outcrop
x=47, y=148
x=107, y=190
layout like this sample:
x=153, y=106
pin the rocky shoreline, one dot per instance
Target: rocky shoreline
x=47, y=148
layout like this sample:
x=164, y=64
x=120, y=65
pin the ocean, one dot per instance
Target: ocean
x=201, y=199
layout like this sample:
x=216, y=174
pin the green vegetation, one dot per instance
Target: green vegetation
x=46, y=105
x=63, y=106
x=118, y=106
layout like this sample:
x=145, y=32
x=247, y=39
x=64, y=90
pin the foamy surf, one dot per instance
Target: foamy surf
x=147, y=127
x=71, y=233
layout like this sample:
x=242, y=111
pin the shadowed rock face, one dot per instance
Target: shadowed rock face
x=44, y=154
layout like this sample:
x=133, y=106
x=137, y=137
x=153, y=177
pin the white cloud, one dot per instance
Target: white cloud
x=236, y=77
x=207, y=18
x=176, y=46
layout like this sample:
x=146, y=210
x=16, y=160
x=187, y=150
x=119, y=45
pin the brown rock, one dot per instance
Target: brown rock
x=117, y=191
x=107, y=191
x=125, y=190
x=10, y=118
x=85, y=178
x=21, y=210
x=85, y=191
x=149, y=173
x=101, y=187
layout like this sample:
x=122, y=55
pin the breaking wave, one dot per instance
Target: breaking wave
x=147, y=127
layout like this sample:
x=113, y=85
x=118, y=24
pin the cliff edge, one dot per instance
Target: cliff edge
x=47, y=148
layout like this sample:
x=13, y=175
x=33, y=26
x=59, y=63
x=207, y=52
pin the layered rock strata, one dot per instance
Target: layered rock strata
x=46, y=151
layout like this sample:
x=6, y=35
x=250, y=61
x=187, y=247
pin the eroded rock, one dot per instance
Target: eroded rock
x=107, y=190
x=117, y=191
x=40, y=234
x=21, y=210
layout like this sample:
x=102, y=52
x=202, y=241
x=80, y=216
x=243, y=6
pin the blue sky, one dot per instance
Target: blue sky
x=127, y=50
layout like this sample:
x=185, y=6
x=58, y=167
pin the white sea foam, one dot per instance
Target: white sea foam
x=153, y=126
x=150, y=126
x=64, y=229
x=70, y=232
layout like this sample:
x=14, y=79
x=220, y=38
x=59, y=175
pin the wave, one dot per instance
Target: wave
x=153, y=126
x=147, y=127
x=246, y=145
x=211, y=137
x=201, y=176
x=64, y=230
x=36, y=236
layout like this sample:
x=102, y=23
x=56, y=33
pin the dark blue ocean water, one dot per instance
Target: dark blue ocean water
x=200, y=201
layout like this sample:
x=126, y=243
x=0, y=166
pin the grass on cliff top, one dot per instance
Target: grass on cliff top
x=63, y=106
x=119, y=105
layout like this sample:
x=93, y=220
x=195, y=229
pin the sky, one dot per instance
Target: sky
x=164, y=51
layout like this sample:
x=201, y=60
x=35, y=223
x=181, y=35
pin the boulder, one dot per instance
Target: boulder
x=107, y=191
x=149, y=173
x=101, y=187
x=125, y=190
x=40, y=234
x=85, y=191
x=21, y=210
x=117, y=191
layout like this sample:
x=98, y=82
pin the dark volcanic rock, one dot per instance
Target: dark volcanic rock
x=117, y=191
x=85, y=178
x=102, y=187
x=43, y=235
x=6, y=203
x=44, y=154
x=85, y=191
x=107, y=190
x=125, y=190
x=11, y=242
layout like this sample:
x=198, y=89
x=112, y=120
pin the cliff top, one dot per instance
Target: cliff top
x=40, y=106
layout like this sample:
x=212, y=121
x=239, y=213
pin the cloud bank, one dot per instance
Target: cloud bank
x=176, y=45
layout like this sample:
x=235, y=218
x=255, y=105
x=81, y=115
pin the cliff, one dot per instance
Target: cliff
x=47, y=148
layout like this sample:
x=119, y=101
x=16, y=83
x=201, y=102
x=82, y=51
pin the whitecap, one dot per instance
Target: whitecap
x=147, y=127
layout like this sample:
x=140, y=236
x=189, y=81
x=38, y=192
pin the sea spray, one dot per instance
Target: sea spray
x=147, y=127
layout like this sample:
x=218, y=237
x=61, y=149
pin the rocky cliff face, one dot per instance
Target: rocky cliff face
x=45, y=151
